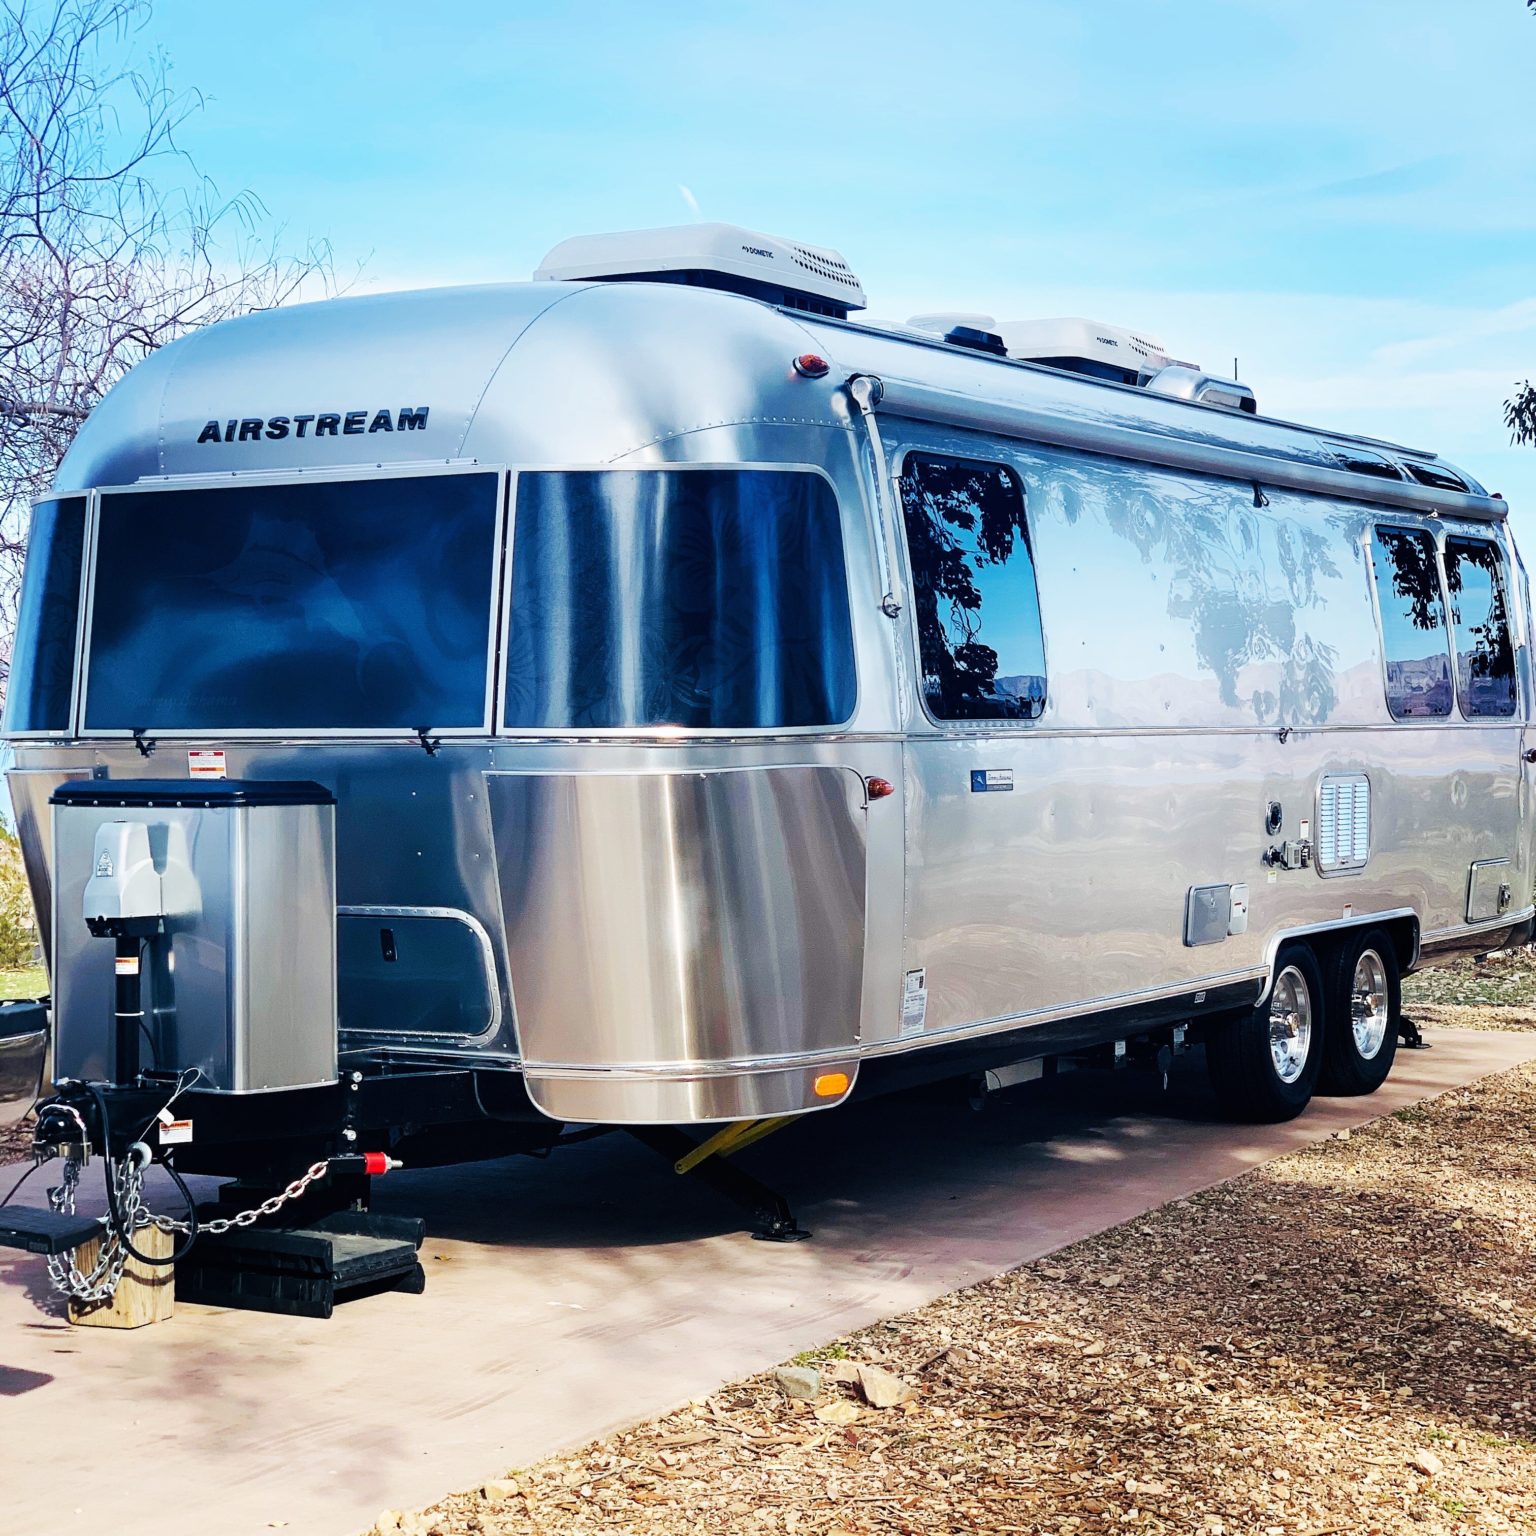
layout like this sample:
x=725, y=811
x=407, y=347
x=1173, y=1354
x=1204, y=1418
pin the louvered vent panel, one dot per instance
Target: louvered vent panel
x=1344, y=822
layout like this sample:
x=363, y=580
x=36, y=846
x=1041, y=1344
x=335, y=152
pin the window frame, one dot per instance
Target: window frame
x=1432, y=533
x=982, y=725
x=1445, y=541
x=87, y=559
x=666, y=732
x=276, y=479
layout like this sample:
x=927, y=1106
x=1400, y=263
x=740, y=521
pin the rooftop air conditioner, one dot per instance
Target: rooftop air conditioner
x=804, y=277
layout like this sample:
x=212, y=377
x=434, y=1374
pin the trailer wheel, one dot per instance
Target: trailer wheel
x=1265, y=1065
x=1362, y=1005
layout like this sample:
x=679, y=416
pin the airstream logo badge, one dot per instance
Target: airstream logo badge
x=252, y=429
x=104, y=870
x=988, y=781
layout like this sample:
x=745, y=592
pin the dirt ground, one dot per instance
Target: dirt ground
x=1498, y=992
x=1343, y=1341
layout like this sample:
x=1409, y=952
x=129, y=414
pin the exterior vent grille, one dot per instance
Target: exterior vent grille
x=829, y=266
x=1343, y=822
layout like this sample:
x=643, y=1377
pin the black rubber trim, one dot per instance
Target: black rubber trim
x=190, y=793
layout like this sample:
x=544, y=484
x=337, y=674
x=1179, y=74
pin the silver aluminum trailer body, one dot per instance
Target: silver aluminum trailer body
x=669, y=924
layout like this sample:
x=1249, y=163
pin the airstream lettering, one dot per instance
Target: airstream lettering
x=727, y=706
x=248, y=429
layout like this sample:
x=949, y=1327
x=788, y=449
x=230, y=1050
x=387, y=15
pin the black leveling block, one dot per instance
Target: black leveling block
x=304, y=1271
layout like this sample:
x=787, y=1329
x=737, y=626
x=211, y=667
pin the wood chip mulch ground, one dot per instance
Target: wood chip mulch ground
x=1343, y=1341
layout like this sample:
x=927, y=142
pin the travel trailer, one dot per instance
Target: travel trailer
x=653, y=696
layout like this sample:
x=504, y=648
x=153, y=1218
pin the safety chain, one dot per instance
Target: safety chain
x=248, y=1218
x=128, y=1176
x=107, y=1271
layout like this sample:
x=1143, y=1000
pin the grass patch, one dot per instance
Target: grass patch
x=30, y=983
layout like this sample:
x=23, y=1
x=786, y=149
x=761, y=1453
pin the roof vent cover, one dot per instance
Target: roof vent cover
x=723, y=256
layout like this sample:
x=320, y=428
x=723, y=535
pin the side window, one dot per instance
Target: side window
x=43, y=657
x=973, y=577
x=1485, y=657
x=1413, y=629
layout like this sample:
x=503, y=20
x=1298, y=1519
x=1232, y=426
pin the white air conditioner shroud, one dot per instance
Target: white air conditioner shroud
x=757, y=259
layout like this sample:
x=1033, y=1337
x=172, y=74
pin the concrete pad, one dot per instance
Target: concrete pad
x=571, y=1296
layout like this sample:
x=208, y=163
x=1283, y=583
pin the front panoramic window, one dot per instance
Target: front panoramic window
x=1413, y=631
x=710, y=599
x=973, y=575
x=331, y=605
x=43, y=657
x=1485, y=656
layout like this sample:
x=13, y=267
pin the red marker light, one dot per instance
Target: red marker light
x=879, y=788
x=809, y=366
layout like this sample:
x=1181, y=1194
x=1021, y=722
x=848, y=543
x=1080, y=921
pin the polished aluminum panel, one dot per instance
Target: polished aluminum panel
x=682, y=1096
x=246, y=988
x=682, y=918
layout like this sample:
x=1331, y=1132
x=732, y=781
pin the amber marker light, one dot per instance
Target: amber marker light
x=831, y=1085
x=809, y=366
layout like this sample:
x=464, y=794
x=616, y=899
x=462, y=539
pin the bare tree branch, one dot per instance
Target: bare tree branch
x=111, y=245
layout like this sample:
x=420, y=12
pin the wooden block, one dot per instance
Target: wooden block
x=145, y=1294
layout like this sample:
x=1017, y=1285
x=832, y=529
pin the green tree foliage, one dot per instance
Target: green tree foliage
x=18, y=926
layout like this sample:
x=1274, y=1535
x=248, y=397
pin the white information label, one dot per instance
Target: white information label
x=206, y=765
x=175, y=1132
x=914, y=1002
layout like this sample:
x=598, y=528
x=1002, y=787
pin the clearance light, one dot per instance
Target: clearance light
x=831, y=1085
x=879, y=788
x=809, y=366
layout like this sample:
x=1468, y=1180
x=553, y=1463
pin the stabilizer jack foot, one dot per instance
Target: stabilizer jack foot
x=772, y=1219
x=1410, y=1035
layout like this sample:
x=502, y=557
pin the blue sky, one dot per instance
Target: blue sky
x=1341, y=194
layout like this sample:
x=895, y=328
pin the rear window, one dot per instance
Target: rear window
x=41, y=682
x=331, y=605
x=1485, y=657
x=708, y=599
x=1413, y=633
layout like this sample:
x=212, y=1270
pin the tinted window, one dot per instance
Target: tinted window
x=1412, y=623
x=1485, y=658
x=358, y=605
x=973, y=577
x=43, y=657
x=705, y=598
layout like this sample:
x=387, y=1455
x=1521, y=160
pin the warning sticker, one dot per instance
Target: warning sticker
x=175, y=1132
x=127, y=965
x=914, y=1002
x=206, y=765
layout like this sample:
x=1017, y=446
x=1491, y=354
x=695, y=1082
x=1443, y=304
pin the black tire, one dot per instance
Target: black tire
x=1244, y=1058
x=1357, y=1060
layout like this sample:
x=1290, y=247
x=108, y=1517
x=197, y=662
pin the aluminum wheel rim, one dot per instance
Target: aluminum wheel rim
x=1368, y=1004
x=1290, y=1024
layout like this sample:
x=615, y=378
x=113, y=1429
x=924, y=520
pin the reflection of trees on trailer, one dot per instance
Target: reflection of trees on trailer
x=729, y=707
